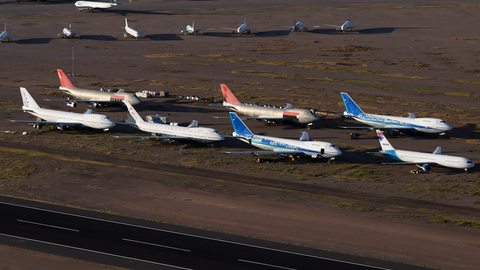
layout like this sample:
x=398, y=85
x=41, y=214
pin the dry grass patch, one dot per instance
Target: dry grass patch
x=476, y=82
x=349, y=48
x=437, y=6
x=163, y=55
x=157, y=83
x=459, y=38
x=387, y=7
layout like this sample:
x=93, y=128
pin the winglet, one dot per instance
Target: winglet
x=64, y=81
x=240, y=128
x=228, y=95
x=136, y=117
x=384, y=143
x=350, y=105
x=28, y=101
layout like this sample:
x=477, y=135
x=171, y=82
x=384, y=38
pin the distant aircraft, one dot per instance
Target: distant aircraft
x=132, y=32
x=60, y=118
x=345, y=26
x=171, y=132
x=4, y=34
x=422, y=160
x=267, y=113
x=242, y=28
x=91, y=5
x=191, y=30
x=94, y=98
x=297, y=26
x=282, y=147
x=67, y=32
x=393, y=123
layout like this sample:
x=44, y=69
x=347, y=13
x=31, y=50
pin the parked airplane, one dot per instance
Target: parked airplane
x=346, y=25
x=242, y=28
x=60, y=118
x=422, y=160
x=267, y=114
x=94, y=98
x=191, y=30
x=67, y=32
x=132, y=32
x=282, y=147
x=171, y=132
x=90, y=5
x=4, y=34
x=297, y=26
x=393, y=123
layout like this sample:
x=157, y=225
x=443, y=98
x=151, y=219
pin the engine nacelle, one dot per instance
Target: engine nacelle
x=93, y=105
x=425, y=167
x=72, y=104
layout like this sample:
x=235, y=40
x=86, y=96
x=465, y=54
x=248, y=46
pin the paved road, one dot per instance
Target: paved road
x=140, y=244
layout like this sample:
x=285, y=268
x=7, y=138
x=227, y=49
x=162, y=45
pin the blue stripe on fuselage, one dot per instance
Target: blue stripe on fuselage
x=388, y=121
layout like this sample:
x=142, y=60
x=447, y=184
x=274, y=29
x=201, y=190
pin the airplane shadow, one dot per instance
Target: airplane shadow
x=97, y=37
x=163, y=37
x=33, y=41
x=367, y=31
x=126, y=12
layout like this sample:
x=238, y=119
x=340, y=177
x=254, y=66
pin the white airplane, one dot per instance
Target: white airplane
x=67, y=32
x=171, y=132
x=282, y=147
x=297, y=26
x=422, y=160
x=267, y=114
x=132, y=32
x=90, y=5
x=346, y=25
x=393, y=123
x=190, y=29
x=242, y=28
x=60, y=118
x=4, y=34
x=93, y=97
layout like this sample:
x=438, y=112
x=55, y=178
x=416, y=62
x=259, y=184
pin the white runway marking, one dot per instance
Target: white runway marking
x=266, y=264
x=94, y=251
x=46, y=225
x=157, y=245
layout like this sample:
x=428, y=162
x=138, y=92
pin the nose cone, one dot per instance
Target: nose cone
x=470, y=164
x=446, y=127
x=336, y=152
x=108, y=123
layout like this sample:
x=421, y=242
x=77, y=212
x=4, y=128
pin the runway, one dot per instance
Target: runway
x=141, y=244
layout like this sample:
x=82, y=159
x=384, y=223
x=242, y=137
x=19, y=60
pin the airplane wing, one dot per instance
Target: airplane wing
x=81, y=32
x=178, y=30
x=333, y=25
x=254, y=28
x=268, y=153
x=204, y=29
x=285, y=26
x=47, y=123
x=145, y=31
x=229, y=28
x=9, y=37
x=311, y=26
x=357, y=25
x=121, y=3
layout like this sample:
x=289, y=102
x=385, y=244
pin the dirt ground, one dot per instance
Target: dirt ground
x=408, y=58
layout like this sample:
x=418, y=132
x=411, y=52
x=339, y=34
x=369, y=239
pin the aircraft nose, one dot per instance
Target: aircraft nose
x=447, y=126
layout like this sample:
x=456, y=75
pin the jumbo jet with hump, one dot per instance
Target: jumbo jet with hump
x=267, y=114
x=4, y=34
x=242, y=28
x=94, y=98
x=422, y=160
x=132, y=32
x=172, y=132
x=60, y=118
x=190, y=29
x=67, y=32
x=297, y=26
x=91, y=5
x=282, y=147
x=393, y=123
x=345, y=26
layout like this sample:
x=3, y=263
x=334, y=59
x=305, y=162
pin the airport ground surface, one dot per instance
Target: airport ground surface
x=421, y=59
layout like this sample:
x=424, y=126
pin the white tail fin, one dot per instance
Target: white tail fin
x=384, y=143
x=438, y=150
x=126, y=22
x=133, y=112
x=28, y=101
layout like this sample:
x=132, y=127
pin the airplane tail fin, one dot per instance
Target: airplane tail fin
x=228, y=95
x=245, y=20
x=28, y=101
x=239, y=127
x=350, y=105
x=193, y=25
x=384, y=143
x=64, y=81
x=136, y=117
x=70, y=28
x=126, y=22
x=349, y=16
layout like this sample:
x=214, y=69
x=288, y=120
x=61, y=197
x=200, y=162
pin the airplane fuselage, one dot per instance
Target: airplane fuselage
x=97, y=121
x=419, y=158
x=301, y=116
x=85, y=94
x=241, y=28
x=3, y=35
x=427, y=125
x=309, y=148
x=200, y=134
x=132, y=32
x=93, y=5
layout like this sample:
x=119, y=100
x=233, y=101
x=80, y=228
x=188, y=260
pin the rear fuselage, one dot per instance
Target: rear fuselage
x=117, y=98
x=301, y=116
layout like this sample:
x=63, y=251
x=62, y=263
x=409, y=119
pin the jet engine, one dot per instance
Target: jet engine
x=72, y=104
x=93, y=105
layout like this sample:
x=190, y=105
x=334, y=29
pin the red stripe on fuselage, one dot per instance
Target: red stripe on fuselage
x=291, y=113
x=118, y=97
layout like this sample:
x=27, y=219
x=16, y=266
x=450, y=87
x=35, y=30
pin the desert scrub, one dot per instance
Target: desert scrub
x=15, y=169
